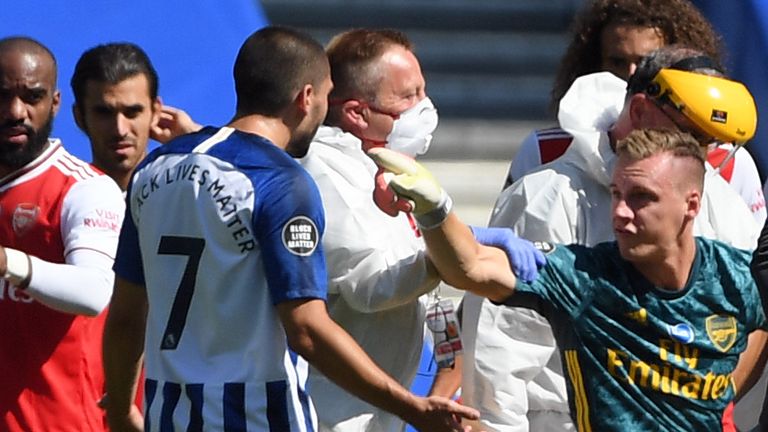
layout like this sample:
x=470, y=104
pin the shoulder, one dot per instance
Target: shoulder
x=546, y=185
x=718, y=251
x=725, y=263
x=538, y=204
x=346, y=162
x=84, y=178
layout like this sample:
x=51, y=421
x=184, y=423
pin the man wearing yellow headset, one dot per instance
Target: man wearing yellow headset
x=510, y=352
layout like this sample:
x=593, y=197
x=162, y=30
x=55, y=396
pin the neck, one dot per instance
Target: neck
x=369, y=144
x=672, y=271
x=7, y=169
x=121, y=178
x=271, y=128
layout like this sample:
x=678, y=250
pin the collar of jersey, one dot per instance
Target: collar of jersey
x=641, y=284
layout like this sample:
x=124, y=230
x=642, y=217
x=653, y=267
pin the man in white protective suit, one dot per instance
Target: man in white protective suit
x=511, y=371
x=378, y=269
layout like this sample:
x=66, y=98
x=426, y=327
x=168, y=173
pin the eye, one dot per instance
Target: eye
x=34, y=96
x=103, y=110
x=643, y=197
x=133, y=111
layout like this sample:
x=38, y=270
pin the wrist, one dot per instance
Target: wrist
x=410, y=409
x=18, y=268
x=435, y=217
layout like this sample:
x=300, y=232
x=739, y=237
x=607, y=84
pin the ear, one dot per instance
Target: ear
x=353, y=114
x=693, y=204
x=638, y=110
x=79, y=119
x=157, y=109
x=303, y=100
x=56, y=102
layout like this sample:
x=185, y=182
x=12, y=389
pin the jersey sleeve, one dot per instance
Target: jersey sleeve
x=562, y=287
x=746, y=180
x=91, y=216
x=128, y=264
x=289, y=221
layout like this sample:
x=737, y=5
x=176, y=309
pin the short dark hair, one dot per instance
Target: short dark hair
x=112, y=63
x=28, y=44
x=352, y=54
x=678, y=21
x=671, y=57
x=273, y=64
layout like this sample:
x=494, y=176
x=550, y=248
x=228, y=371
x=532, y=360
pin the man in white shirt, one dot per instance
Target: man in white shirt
x=378, y=269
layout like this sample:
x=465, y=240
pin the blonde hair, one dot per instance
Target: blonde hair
x=644, y=143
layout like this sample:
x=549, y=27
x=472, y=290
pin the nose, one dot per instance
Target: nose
x=122, y=124
x=16, y=110
x=621, y=210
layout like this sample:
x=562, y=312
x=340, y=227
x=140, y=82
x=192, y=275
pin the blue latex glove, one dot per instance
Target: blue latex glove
x=524, y=258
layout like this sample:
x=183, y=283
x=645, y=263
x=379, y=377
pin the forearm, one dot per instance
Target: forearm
x=123, y=347
x=83, y=286
x=464, y=263
x=751, y=363
x=448, y=380
x=335, y=354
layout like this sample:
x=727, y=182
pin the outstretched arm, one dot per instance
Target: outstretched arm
x=317, y=338
x=458, y=257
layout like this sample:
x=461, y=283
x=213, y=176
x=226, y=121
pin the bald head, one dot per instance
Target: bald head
x=27, y=45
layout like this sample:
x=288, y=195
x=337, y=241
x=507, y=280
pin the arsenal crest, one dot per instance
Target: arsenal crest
x=721, y=330
x=24, y=218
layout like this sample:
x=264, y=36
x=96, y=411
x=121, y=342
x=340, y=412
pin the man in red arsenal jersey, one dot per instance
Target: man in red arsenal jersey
x=59, y=224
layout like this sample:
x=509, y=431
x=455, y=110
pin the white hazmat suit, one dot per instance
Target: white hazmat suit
x=378, y=274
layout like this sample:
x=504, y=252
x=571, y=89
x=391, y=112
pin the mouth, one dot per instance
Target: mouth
x=122, y=147
x=622, y=232
x=18, y=135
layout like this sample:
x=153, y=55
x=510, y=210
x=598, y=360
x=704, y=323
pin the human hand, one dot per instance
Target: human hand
x=385, y=198
x=436, y=414
x=172, y=123
x=413, y=183
x=133, y=421
x=523, y=256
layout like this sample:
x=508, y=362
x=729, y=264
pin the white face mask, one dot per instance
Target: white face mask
x=412, y=132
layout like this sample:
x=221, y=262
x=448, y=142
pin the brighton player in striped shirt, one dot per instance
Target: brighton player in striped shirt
x=221, y=277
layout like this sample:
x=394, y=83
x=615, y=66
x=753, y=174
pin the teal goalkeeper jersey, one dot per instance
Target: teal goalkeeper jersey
x=639, y=358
